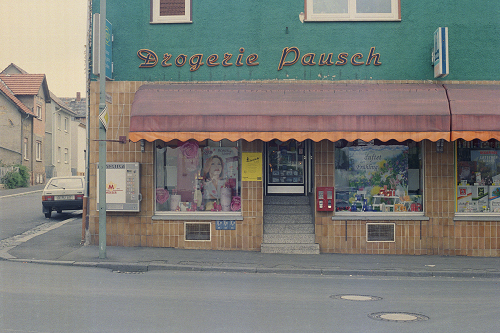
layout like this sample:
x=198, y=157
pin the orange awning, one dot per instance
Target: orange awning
x=283, y=111
x=475, y=111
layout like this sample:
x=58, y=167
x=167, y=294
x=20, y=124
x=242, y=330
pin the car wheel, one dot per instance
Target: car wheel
x=48, y=214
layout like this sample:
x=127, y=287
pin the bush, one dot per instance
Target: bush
x=25, y=175
x=15, y=179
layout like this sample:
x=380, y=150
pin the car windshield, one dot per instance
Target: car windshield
x=66, y=183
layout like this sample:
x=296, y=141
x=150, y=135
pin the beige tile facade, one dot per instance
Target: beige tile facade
x=437, y=233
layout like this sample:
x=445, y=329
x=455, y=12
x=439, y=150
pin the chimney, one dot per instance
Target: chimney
x=78, y=96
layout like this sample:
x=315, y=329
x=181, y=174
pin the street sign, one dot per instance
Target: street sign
x=440, y=56
x=104, y=117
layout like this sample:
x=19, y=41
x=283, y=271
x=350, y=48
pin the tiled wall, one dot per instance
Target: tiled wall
x=139, y=229
x=440, y=234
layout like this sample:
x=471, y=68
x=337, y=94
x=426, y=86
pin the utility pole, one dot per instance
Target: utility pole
x=102, y=131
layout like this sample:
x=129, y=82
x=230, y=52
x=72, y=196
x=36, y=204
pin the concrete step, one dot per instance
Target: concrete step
x=290, y=248
x=288, y=228
x=288, y=238
x=286, y=200
x=287, y=209
x=292, y=219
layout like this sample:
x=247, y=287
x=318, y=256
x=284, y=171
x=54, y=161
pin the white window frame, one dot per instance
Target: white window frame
x=39, y=111
x=66, y=124
x=351, y=15
x=66, y=154
x=157, y=18
x=25, y=147
x=58, y=154
x=38, y=150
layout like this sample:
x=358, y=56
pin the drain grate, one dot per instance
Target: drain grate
x=348, y=297
x=128, y=272
x=402, y=317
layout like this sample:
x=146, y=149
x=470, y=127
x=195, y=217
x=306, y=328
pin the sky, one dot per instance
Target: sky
x=46, y=37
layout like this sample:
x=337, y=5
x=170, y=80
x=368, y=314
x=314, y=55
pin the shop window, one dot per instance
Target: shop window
x=378, y=177
x=197, y=231
x=171, y=11
x=478, y=176
x=194, y=177
x=352, y=10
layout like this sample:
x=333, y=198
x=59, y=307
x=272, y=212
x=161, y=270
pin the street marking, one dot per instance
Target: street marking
x=9, y=243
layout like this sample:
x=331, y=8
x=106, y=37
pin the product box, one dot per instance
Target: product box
x=480, y=198
x=464, y=198
x=494, y=199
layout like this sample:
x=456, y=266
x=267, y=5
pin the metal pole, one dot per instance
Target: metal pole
x=102, y=132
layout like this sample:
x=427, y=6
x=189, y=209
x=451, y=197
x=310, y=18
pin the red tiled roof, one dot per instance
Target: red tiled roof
x=14, y=99
x=23, y=84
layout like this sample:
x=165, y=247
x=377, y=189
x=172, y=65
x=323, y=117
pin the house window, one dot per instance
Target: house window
x=39, y=111
x=478, y=176
x=65, y=124
x=352, y=10
x=58, y=154
x=198, y=177
x=171, y=11
x=38, y=150
x=66, y=153
x=378, y=177
x=25, y=148
x=59, y=121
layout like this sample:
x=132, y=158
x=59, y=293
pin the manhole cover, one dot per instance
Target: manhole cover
x=356, y=297
x=397, y=316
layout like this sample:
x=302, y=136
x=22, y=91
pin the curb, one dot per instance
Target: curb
x=149, y=267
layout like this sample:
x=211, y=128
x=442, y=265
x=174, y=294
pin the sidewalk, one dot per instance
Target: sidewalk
x=21, y=190
x=59, y=244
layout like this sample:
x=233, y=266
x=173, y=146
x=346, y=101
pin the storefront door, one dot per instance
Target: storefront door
x=288, y=166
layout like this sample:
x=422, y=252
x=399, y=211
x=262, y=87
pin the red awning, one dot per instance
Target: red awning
x=475, y=111
x=285, y=111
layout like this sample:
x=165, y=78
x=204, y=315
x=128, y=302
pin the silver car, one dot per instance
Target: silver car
x=63, y=193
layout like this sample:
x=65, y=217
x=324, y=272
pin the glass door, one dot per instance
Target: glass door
x=286, y=167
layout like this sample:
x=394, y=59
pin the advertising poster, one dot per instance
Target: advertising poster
x=378, y=166
x=251, y=167
x=220, y=172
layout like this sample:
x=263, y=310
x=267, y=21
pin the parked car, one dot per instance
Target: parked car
x=63, y=193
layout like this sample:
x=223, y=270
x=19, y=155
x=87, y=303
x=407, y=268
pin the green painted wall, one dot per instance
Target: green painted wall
x=221, y=26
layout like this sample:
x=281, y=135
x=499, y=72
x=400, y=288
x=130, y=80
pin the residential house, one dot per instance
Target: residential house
x=32, y=91
x=59, y=139
x=16, y=130
x=79, y=129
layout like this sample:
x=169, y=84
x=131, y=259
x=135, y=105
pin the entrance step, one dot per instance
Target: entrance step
x=290, y=248
x=288, y=226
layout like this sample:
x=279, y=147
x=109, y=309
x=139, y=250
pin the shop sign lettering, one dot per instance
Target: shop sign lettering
x=289, y=57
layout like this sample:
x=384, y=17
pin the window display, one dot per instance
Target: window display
x=378, y=177
x=195, y=177
x=478, y=176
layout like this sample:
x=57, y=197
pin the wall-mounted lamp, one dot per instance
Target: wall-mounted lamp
x=143, y=149
x=440, y=146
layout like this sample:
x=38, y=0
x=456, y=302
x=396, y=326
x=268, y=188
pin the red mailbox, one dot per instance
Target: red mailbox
x=324, y=199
